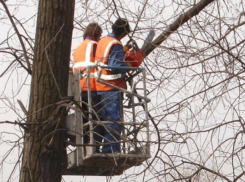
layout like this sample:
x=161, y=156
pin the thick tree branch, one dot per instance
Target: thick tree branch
x=183, y=18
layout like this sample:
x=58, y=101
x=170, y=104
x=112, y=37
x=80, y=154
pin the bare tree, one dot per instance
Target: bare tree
x=195, y=79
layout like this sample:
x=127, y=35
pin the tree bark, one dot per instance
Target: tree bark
x=44, y=154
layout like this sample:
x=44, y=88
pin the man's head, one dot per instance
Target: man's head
x=121, y=28
x=94, y=31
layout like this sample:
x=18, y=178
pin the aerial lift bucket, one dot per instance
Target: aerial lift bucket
x=135, y=139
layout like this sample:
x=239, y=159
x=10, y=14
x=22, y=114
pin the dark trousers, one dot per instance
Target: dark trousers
x=97, y=129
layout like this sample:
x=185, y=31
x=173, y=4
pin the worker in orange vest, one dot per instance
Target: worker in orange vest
x=84, y=56
x=110, y=54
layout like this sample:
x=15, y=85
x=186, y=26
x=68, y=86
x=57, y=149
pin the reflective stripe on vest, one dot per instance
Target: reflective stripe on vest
x=108, y=47
x=83, y=64
x=103, y=76
x=88, y=51
x=111, y=77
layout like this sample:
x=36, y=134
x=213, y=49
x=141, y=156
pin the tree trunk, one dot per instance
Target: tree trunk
x=44, y=154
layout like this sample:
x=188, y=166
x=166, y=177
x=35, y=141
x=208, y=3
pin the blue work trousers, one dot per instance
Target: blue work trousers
x=112, y=110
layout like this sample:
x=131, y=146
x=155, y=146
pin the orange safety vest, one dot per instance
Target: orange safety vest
x=83, y=57
x=102, y=54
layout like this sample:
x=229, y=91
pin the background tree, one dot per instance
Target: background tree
x=195, y=79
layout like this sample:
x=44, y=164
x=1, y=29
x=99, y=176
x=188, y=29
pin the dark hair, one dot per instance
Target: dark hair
x=121, y=27
x=93, y=30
